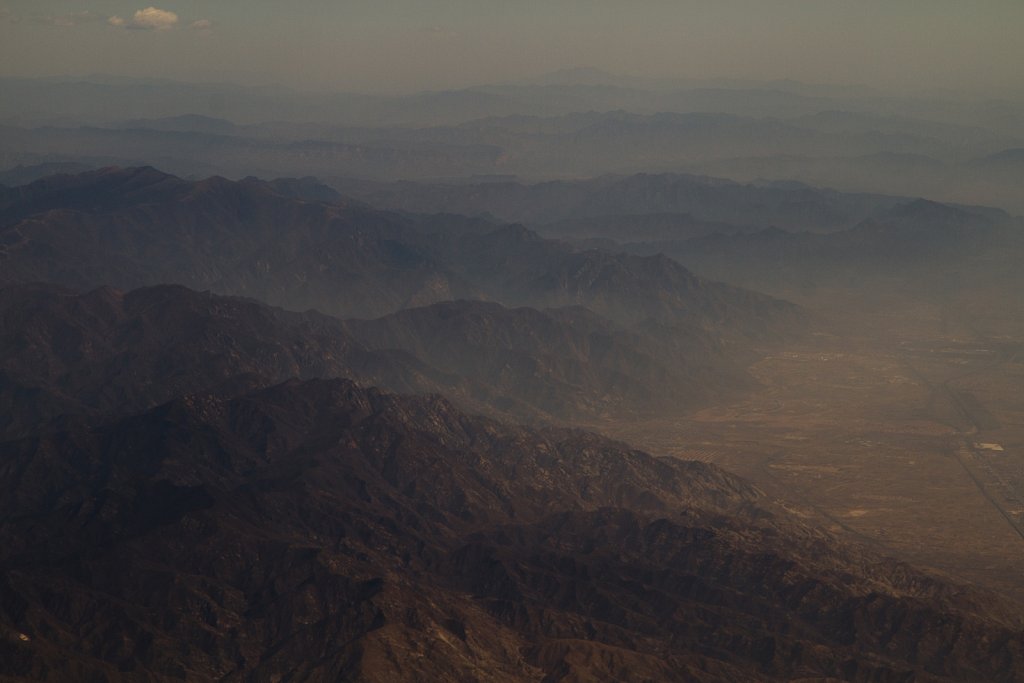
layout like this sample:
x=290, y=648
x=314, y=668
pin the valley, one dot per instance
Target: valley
x=899, y=428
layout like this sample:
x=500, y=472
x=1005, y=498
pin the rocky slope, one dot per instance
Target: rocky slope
x=566, y=362
x=107, y=352
x=319, y=531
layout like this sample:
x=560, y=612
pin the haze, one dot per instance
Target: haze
x=412, y=46
x=521, y=341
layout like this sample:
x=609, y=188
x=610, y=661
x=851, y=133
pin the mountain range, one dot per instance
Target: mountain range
x=269, y=431
x=792, y=205
x=106, y=353
x=565, y=126
x=921, y=247
x=316, y=531
x=136, y=227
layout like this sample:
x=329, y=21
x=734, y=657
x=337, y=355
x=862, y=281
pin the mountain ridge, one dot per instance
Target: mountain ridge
x=130, y=228
x=85, y=356
x=309, y=520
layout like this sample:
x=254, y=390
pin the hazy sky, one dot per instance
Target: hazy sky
x=392, y=45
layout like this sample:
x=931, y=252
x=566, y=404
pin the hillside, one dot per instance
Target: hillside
x=324, y=531
x=107, y=352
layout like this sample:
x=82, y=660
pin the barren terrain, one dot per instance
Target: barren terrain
x=903, y=427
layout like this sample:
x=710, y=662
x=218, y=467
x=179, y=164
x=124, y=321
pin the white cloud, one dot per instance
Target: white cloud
x=149, y=19
x=202, y=25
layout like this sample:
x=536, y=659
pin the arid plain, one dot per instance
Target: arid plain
x=902, y=426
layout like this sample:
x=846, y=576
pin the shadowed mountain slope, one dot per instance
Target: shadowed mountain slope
x=110, y=353
x=321, y=531
x=566, y=362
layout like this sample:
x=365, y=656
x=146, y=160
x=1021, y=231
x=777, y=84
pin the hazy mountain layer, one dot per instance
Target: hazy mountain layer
x=129, y=228
x=853, y=151
x=944, y=147
x=923, y=247
x=790, y=205
x=569, y=363
x=111, y=353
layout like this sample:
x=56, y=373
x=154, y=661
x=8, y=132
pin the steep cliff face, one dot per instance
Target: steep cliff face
x=321, y=531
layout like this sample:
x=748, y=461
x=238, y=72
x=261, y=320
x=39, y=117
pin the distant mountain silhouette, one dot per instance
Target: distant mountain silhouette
x=134, y=227
x=700, y=197
x=23, y=175
x=308, y=188
x=1011, y=158
x=923, y=246
x=194, y=123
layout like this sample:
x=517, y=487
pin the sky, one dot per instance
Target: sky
x=412, y=45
